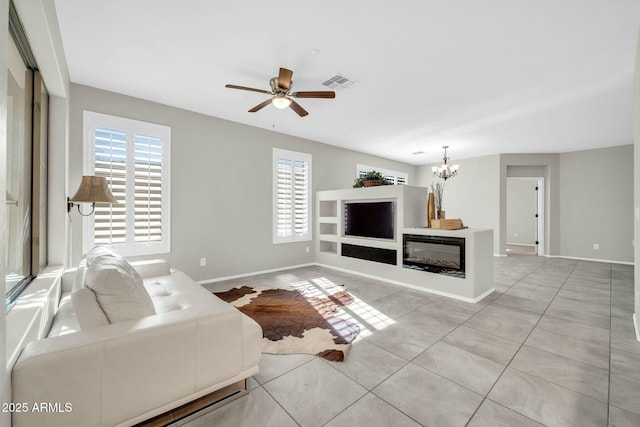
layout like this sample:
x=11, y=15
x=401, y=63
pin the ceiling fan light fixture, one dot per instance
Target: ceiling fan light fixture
x=281, y=101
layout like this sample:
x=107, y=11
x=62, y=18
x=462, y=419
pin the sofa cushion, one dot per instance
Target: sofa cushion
x=100, y=250
x=118, y=289
x=155, y=288
x=152, y=268
x=165, y=304
x=88, y=311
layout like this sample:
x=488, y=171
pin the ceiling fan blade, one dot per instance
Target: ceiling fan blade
x=284, y=79
x=260, y=106
x=298, y=109
x=315, y=94
x=247, y=88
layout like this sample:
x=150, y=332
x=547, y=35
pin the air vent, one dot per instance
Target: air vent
x=338, y=81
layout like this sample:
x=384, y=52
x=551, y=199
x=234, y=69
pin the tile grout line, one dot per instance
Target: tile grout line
x=407, y=362
x=280, y=405
x=521, y=345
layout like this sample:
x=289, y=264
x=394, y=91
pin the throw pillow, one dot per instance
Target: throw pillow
x=87, y=309
x=101, y=250
x=119, y=289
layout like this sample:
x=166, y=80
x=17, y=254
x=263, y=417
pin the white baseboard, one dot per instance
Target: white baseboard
x=636, y=325
x=253, y=273
x=409, y=285
x=521, y=244
x=590, y=259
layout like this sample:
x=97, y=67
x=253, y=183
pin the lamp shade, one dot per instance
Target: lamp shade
x=93, y=189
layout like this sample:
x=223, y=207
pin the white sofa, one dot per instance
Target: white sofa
x=122, y=373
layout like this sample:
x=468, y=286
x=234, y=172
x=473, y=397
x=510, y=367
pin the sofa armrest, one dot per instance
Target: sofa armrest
x=68, y=278
x=152, y=268
x=115, y=373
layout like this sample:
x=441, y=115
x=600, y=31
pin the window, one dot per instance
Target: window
x=397, y=178
x=134, y=157
x=291, y=196
x=26, y=164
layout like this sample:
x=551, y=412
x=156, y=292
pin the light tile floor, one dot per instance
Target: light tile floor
x=554, y=346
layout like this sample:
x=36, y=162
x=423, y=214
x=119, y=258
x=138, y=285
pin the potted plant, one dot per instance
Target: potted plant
x=371, y=179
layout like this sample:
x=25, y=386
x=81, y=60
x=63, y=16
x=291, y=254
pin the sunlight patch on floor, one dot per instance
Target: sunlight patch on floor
x=368, y=318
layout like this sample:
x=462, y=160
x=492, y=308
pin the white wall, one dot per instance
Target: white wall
x=221, y=192
x=522, y=204
x=5, y=373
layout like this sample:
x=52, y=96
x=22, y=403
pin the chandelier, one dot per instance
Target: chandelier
x=445, y=171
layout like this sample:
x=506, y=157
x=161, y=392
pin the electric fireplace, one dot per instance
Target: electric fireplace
x=437, y=254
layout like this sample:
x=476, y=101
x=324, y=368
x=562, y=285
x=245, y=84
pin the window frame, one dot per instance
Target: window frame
x=362, y=169
x=293, y=156
x=92, y=120
x=37, y=107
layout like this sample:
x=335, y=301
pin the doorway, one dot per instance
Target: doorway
x=525, y=216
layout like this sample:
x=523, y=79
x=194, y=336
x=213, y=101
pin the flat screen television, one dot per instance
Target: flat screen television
x=369, y=219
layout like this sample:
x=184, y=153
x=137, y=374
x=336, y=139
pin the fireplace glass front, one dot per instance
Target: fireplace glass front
x=437, y=254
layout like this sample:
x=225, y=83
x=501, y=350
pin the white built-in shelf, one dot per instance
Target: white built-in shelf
x=328, y=208
x=372, y=243
x=410, y=212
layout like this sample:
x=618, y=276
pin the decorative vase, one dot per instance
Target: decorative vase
x=441, y=215
x=431, y=209
x=372, y=183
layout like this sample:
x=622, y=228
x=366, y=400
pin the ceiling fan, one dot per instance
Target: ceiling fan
x=281, y=93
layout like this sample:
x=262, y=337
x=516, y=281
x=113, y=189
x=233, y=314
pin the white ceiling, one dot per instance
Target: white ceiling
x=485, y=77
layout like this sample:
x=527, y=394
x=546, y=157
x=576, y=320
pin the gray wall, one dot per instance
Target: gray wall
x=596, y=203
x=577, y=198
x=473, y=195
x=522, y=204
x=221, y=188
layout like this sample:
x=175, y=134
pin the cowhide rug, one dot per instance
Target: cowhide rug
x=298, y=321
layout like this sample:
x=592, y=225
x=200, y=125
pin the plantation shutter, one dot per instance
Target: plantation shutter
x=301, y=198
x=284, y=199
x=110, y=221
x=133, y=156
x=395, y=177
x=148, y=188
x=292, y=187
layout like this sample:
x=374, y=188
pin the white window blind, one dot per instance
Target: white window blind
x=292, y=196
x=397, y=178
x=134, y=157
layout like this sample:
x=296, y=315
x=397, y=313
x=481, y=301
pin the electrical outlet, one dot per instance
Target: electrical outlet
x=596, y=246
x=307, y=249
x=203, y=262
